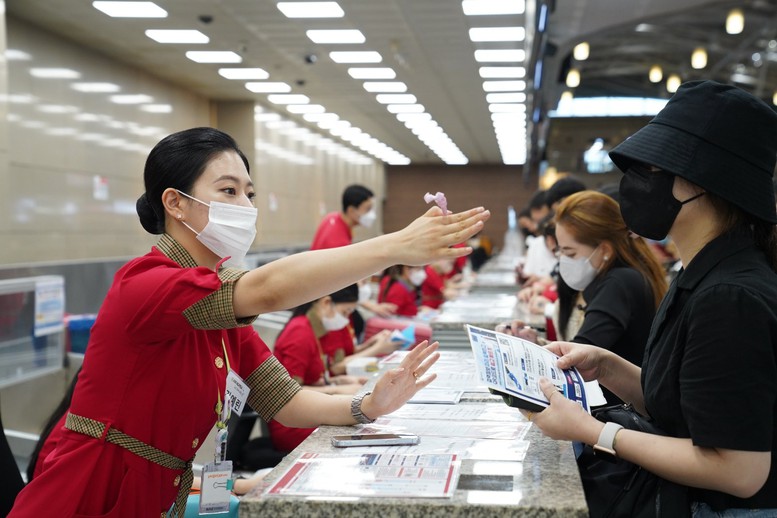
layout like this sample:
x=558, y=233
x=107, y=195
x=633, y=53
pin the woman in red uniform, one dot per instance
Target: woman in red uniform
x=400, y=286
x=316, y=331
x=175, y=321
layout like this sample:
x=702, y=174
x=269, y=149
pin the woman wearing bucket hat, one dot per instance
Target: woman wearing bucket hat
x=701, y=172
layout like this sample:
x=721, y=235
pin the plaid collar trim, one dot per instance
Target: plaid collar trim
x=175, y=251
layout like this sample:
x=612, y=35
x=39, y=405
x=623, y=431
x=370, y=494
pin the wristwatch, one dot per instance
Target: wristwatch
x=356, y=409
x=605, y=446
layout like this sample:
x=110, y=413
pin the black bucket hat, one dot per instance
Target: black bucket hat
x=717, y=136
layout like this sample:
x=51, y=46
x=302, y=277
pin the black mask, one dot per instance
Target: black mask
x=647, y=204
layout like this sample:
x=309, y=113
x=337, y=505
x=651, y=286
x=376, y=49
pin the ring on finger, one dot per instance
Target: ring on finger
x=415, y=375
x=529, y=415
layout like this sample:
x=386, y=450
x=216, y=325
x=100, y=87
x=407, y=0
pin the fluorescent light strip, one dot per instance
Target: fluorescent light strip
x=504, y=86
x=509, y=97
x=54, y=73
x=506, y=108
x=311, y=9
x=244, y=73
x=358, y=56
x=95, y=87
x=177, y=36
x=478, y=34
x=486, y=7
x=499, y=55
x=372, y=73
x=321, y=117
x=324, y=36
x=502, y=72
x=288, y=99
x=305, y=108
x=130, y=9
x=131, y=99
x=268, y=88
x=405, y=108
x=396, y=98
x=157, y=108
x=385, y=86
x=214, y=56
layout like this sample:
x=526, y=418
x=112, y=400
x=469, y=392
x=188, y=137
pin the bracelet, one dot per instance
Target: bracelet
x=356, y=409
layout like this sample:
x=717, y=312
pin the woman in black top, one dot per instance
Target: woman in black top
x=701, y=171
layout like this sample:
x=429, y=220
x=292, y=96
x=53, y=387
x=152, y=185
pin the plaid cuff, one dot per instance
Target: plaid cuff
x=216, y=310
x=271, y=388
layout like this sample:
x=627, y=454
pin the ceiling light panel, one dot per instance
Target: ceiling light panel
x=499, y=55
x=55, y=73
x=177, y=36
x=214, y=56
x=336, y=36
x=385, y=86
x=130, y=9
x=359, y=56
x=95, y=87
x=131, y=99
x=511, y=97
x=305, y=108
x=311, y=9
x=479, y=34
x=396, y=98
x=488, y=7
x=504, y=86
x=288, y=99
x=245, y=74
x=268, y=87
x=502, y=72
x=372, y=73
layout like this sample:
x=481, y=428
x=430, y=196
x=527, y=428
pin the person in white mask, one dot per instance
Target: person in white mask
x=401, y=286
x=610, y=275
x=176, y=325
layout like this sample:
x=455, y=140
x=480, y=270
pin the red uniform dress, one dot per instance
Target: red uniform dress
x=154, y=369
x=432, y=289
x=332, y=232
x=299, y=349
x=401, y=294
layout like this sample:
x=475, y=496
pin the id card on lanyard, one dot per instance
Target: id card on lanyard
x=216, y=482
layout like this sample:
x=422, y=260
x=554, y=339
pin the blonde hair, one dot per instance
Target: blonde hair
x=592, y=217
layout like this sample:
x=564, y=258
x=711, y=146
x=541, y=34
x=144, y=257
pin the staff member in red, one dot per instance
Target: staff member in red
x=176, y=320
x=336, y=229
x=400, y=285
x=315, y=332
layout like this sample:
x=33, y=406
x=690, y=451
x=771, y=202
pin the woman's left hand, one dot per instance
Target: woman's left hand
x=564, y=419
x=396, y=386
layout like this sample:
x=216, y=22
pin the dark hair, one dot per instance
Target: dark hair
x=177, y=161
x=538, y=200
x=563, y=188
x=393, y=273
x=764, y=233
x=355, y=195
x=64, y=406
x=346, y=295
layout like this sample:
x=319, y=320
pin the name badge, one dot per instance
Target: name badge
x=215, y=489
x=236, y=393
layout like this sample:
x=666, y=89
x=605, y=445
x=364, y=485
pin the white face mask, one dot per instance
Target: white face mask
x=365, y=292
x=335, y=323
x=230, y=231
x=417, y=277
x=577, y=273
x=368, y=218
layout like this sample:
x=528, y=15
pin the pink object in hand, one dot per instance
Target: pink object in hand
x=439, y=199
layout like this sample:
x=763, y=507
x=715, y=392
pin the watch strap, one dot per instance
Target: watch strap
x=606, y=440
x=356, y=409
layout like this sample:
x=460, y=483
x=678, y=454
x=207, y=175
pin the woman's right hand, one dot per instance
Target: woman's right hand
x=588, y=359
x=431, y=236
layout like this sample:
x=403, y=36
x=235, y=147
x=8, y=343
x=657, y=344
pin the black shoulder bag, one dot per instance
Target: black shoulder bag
x=615, y=488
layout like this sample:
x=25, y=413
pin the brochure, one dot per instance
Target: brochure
x=512, y=366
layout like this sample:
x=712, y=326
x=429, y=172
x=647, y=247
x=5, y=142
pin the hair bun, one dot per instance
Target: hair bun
x=147, y=215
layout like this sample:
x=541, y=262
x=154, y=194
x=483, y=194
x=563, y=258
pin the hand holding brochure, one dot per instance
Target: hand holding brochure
x=511, y=366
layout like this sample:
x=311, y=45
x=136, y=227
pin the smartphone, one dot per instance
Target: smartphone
x=374, y=439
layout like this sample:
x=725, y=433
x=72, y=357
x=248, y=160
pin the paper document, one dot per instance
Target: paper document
x=514, y=366
x=376, y=475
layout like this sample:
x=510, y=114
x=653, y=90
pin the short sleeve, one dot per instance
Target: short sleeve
x=216, y=311
x=728, y=378
x=271, y=388
x=608, y=313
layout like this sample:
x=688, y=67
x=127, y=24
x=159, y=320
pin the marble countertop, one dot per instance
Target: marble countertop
x=545, y=484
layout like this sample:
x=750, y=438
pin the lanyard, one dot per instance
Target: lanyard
x=222, y=411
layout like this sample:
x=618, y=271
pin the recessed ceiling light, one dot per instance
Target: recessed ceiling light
x=396, y=98
x=269, y=88
x=497, y=34
x=504, y=86
x=16, y=55
x=130, y=9
x=511, y=97
x=484, y=7
x=177, y=36
x=95, y=87
x=214, y=56
x=385, y=86
x=54, y=73
x=305, y=108
x=336, y=36
x=502, y=72
x=131, y=99
x=311, y=9
x=506, y=108
x=414, y=117
x=244, y=73
x=320, y=117
x=406, y=108
x=499, y=55
x=372, y=73
x=359, y=56
x=157, y=108
x=288, y=99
